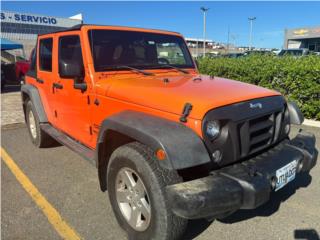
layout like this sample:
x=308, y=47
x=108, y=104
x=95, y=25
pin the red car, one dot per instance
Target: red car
x=22, y=68
x=13, y=65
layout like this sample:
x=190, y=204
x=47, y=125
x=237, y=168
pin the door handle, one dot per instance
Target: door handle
x=57, y=85
x=39, y=80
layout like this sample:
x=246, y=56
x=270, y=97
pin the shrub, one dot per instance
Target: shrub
x=296, y=78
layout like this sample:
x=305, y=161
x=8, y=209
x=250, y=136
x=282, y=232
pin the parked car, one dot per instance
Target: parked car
x=233, y=55
x=22, y=68
x=3, y=79
x=7, y=74
x=14, y=64
x=169, y=143
x=260, y=52
x=294, y=52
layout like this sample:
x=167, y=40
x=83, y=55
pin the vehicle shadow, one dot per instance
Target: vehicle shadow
x=306, y=234
x=196, y=227
x=302, y=180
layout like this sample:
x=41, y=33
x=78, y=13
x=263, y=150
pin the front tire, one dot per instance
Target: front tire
x=38, y=137
x=136, y=188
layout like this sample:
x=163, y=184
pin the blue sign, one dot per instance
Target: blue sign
x=25, y=18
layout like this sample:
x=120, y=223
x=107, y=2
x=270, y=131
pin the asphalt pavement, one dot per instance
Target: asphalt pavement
x=70, y=185
x=11, y=106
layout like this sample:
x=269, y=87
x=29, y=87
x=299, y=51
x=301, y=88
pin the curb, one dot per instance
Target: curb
x=311, y=123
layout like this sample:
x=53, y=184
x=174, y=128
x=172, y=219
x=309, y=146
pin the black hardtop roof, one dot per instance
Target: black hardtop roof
x=79, y=26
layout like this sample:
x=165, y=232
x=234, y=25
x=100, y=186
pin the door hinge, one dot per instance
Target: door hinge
x=96, y=102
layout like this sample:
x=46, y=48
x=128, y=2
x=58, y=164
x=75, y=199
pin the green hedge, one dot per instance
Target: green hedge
x=296, y=78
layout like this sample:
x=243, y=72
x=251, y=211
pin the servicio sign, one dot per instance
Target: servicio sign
x=26, y=18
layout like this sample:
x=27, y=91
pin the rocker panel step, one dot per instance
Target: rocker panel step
x=67, y=141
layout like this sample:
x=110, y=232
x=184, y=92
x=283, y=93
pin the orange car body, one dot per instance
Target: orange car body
x=225, y=142
x=76, y=113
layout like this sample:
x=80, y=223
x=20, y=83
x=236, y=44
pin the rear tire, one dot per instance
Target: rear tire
x=38, y=137
x=139, y=161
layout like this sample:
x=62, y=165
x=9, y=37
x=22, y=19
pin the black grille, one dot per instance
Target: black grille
x=258, y=133
x=244, y=130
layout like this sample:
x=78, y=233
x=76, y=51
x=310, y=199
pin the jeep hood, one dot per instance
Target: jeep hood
x=170, y=93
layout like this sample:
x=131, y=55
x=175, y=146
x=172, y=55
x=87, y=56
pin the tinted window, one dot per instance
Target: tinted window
x=112, y=49
x=70, y=49
x=33, y=60
x=45, y=54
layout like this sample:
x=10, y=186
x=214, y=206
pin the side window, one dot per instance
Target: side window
x=33, y=60
x=45, y=54
x=70, y=50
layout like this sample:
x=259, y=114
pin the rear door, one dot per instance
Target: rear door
x=72, y=105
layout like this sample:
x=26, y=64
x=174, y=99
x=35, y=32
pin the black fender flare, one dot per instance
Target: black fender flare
x=33, y=94
x=296, y=116
x=183, y=147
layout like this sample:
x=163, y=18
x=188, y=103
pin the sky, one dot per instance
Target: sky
x=187, y=18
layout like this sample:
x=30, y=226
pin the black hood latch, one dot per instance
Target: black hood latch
x=185, y=113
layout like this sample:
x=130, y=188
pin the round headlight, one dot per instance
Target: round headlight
x=213, y=129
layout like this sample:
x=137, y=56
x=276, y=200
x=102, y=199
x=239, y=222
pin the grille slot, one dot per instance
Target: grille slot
x=260, y=138
x=258, y=133
x=261, y=125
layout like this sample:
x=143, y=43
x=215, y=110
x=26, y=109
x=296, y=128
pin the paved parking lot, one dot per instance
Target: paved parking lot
x=11, y=107
x=69, y=183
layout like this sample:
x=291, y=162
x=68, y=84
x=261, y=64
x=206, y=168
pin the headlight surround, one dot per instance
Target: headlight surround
x=213, y=129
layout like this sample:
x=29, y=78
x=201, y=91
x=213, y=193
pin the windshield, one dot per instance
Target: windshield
x=112, y=49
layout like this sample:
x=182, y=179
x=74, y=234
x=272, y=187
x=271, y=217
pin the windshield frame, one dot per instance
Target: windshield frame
x=186, y=53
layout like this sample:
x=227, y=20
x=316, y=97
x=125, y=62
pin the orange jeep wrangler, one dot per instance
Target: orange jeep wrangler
x=169, y=144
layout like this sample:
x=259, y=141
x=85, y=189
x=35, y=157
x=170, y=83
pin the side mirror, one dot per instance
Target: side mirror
x=70, y=69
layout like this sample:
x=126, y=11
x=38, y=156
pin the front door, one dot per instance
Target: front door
x=72, y=105
x=45, y=73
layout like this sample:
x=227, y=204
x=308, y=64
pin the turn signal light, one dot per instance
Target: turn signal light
x=161, y=154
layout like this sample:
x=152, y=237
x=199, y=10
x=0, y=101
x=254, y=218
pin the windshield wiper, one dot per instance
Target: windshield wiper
x=135, y=70
x=176, y=68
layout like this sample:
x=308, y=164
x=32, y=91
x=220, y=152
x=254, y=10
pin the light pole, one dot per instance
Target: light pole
x=234, y=37
x=228, y=42
x=204, y=10
x=251, y=19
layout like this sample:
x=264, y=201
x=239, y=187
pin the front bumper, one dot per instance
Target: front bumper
x=245, y=185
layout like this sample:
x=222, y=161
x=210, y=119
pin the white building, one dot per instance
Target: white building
x=193, y=42
x=307, y=37
x=24, y=28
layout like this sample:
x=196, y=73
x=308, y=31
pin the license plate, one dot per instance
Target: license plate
x=285, y=174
